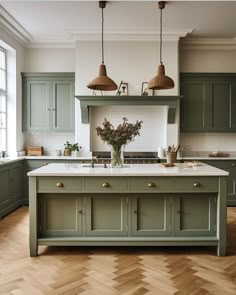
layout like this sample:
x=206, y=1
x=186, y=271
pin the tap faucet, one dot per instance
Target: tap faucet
x=92, y=161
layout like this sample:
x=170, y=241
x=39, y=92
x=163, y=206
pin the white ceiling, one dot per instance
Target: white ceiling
x=61, y=20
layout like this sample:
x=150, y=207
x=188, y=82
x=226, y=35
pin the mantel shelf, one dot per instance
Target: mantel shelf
x=171, y=102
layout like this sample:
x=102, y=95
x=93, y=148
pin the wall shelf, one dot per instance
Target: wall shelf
x=172, y=102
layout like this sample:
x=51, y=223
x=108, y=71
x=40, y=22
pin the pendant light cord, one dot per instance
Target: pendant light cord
x=102, y=38
x=161, y=36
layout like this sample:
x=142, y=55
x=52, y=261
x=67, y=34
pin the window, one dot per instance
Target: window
x=3, y=100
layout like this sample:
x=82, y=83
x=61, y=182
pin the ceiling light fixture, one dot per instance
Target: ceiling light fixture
x=161, y=81
x=102, y=82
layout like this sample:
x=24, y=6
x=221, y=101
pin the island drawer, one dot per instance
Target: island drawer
x=150, y=184
x=196, y=184
x=59, y=184
x=105, y=184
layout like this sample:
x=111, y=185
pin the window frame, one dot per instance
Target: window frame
x=3, y=93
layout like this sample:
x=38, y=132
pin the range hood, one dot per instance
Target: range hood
x=172, y=102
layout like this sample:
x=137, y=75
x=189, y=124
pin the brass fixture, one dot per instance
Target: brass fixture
x=102, y=81
x=161, y=81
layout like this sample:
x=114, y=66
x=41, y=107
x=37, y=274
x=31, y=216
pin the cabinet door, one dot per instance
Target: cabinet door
x=195, y=215
x=5, y=186
x=150, y=215
x=63, y=106
x=221, y=96
x=17, y=182
x=193, y=104
x=38, y=105
x=106, y=215
x=60, y=215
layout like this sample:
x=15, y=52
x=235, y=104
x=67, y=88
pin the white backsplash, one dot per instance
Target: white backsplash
x=153, y=131
x=208, y=142
x=50, y=141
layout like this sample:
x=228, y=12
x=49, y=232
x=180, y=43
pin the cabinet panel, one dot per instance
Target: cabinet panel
x=195, y=215
x=150, y=215
x=60, y=215
x=150, y=184
x=196, y=184
x=17, y=181
x=59, y=184
x=63, y=105
x=38, y=107
x=5, y=185
x=106, y=215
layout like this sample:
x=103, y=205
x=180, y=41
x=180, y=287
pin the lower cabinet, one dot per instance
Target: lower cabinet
x=106, y=215
x=150, y=215
x=229, y=166
x=11, y=186
x=195, y=215
x=135, y=215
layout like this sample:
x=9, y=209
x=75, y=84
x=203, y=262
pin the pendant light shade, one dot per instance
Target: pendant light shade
x=161, y=81
x=102, y=82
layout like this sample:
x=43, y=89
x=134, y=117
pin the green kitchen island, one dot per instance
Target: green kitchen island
x=137, y=205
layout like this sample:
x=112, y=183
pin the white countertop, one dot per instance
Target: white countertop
x=61, y=169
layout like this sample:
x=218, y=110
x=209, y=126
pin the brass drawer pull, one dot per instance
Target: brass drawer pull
x=196, y=184
x=44, y=164
x=151, y=184
x=80, y=212
x=59, y=184
x=234, y=164
x=105, y=184
x=135, y=211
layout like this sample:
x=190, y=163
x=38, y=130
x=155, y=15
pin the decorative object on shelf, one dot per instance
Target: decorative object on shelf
x=97, y=92
x=71, y=149
x=171, y=154
x=123, y=89
x=161, y=81
x=118, y=138
x=58, y=152
x=145, y=90
x=102, y=82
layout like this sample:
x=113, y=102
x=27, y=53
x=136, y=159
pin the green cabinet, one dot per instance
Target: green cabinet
x=11, y=183
x=150, y=215
x=106, y=215
x=208, y=103
x=195, y=215
x=60, y=215
x=48, y=102
x=229, y=166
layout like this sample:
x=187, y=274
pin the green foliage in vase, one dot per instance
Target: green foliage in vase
x=122, y=135
x=72, y=146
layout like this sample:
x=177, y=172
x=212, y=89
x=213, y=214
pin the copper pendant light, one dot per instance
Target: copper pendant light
x=161, y=81
x=102, y=82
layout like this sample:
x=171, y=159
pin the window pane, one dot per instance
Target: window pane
x=3, y=140
x=3, y=103
x=1, y=59
x=2, y=79
x=2, y=120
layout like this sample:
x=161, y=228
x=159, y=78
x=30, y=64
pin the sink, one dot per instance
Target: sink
x=102, y=166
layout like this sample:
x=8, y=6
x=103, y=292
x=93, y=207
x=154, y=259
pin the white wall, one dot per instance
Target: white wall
x=15, y=66
x=49, y=60
x=132, y=62
x=219, y=61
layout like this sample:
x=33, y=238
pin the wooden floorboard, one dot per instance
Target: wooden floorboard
x=112, y=270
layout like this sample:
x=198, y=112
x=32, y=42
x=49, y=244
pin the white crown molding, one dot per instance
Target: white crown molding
x=172, y=35
x=208, y=44
x=13, y=27
x=40, y=43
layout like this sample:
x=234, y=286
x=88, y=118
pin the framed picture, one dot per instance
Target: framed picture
x=123, y=89
x=145, y=90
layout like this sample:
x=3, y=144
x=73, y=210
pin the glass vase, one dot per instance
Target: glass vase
x=117, y=156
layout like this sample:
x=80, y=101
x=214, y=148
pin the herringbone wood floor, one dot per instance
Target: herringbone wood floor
x=112, y=271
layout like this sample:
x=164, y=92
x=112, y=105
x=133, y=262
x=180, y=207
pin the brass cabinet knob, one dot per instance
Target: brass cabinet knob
x=80, y=212
x=151, y=184
x=178, y=211
x=196, y=184
x=234, y=164
x=59, y=184
x=45, y=163
x=105, y=184
x=135, y=211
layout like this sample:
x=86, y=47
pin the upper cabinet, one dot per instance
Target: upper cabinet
x=48, y=102
x=208, y=103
